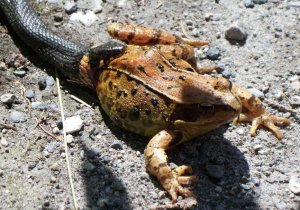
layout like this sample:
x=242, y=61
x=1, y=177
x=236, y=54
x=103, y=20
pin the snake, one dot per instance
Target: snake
x=63, y=54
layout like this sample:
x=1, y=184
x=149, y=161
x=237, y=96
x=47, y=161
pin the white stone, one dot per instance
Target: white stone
x=8, y=98
x=87, y=19
x=73, y=124
x=294, y=184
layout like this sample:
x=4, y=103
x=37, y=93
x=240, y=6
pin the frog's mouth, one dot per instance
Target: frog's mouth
x=194, y=120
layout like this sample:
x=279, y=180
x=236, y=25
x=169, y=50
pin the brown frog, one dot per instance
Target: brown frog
x=154, y=88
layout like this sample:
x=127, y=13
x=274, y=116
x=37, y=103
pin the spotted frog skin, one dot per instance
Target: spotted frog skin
x=154, y=88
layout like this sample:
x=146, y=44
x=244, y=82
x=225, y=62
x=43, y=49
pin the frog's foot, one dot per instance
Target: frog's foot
x=172, y=180
x=206, y=70
x=174, y=184
x=265, y=119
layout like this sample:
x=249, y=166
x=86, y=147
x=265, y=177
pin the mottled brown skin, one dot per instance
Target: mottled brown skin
x=153, y=89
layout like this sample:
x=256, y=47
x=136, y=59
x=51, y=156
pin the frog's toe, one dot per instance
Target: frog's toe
x=269, y=121
x=187, y=180
x=180, y=170
x=176, y=189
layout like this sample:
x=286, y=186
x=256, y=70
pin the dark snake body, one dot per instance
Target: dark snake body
x=57, y=51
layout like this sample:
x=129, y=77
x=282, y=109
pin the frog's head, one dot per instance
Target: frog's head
x=205, y=106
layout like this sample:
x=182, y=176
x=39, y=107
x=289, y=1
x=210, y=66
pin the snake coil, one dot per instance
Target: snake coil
x=61, y=53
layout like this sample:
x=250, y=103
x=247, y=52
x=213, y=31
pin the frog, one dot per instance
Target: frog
x=153, y=87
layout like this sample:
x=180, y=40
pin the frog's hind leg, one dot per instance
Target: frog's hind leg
x=157, y=164
x=256, y=113
x=141, y=35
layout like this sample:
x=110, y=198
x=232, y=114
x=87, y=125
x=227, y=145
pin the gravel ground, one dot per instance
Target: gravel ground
x=234, y=170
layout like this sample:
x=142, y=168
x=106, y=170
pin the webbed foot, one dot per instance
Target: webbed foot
x=266, y=119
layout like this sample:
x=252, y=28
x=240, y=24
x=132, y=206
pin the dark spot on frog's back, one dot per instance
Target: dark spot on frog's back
x=134, y=113
x=141, y=68
x=160, y=67
x=119, y=74
x=133, y=91
x=154, y=101
x=110, y=85
x=182, y=77
x=148, y=111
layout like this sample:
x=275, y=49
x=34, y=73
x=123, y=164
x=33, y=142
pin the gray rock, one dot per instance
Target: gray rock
x=55, y=1
x=294, y=184
x=256, y=92
x=70, y=7
x=236, y=33
x=88, y=166
x=93, y=152
x=116, y=145
x=2, y=66
x=20, y=73
x=226, y=73
x=51, y=147
x=73, y=124
x=294, y=4
x=4, y=142
x=215, y=171
x=260, y=1
x=295, y=100
x=58, y=17
x=42, y=84
x=8, y=98
x=18, y=117
x=248, y=3
x=29, y=93
x=69, y=139
x=38, y=105
x=213, y=53
x=50, y=81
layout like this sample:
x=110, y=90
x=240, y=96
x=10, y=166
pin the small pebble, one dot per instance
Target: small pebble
x=52, y=179
x=4, y=142
x=248, y=3
x=218, y=189
x=87, y=19
x=29, y=93
x=8, y=98
x=55, y=167
x=18, y=117
x=50, y=81
x=73, y=124
x=256, y=92
x=58, y=17
x=294, y=4
x=51, y=147
x=240, y=131
x=69, y=139
x=116, y=145
x=215, y=171
x=42, y=84
x=294, y=184
x=236, y=33
x=20, y=73
x=2, y=66
x=213, y=53
x=93, y=152
x=295, y=101
x=55, y=130
x=88, y=166
x=70, y=7
x=260, y=1
x=296, y=85
x=38, y=105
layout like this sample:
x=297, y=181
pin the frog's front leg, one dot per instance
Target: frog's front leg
x=141, y=35
x=157, y=164
x=256, y=113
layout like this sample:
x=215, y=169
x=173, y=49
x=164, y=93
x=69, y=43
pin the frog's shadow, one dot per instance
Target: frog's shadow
x=210, y=149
